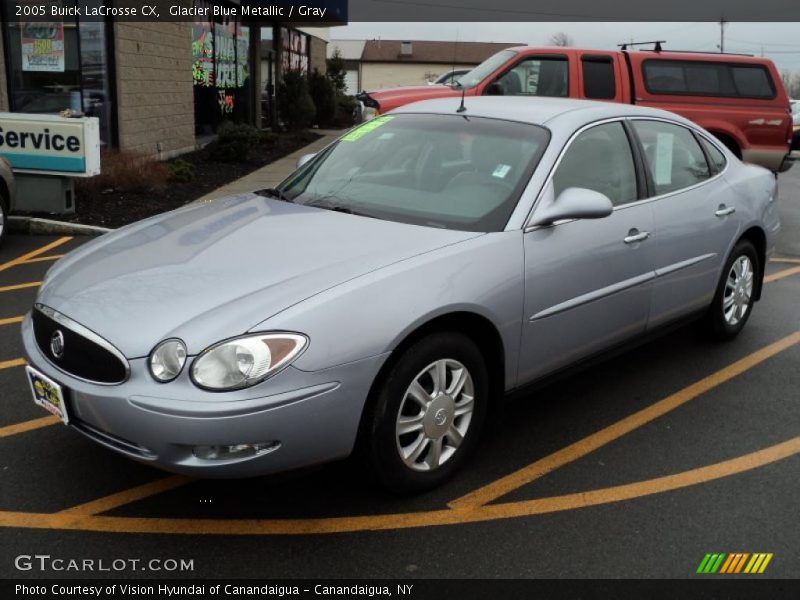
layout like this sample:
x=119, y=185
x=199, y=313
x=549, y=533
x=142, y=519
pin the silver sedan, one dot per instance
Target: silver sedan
x=394, y=288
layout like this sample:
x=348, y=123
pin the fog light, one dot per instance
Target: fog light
x=234, y=451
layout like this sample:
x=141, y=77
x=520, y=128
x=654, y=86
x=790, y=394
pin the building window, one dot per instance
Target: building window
x=294, y=50
x=221, y=66
x=60, y=64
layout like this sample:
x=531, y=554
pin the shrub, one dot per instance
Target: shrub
x=234, y=142
x=324, y=96
x=124, y=172
x=336, y=72
x=181, y=171
x=345, y=108
x=295, y=105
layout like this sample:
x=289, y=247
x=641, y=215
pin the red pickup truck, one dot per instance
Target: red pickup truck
x=740, y=99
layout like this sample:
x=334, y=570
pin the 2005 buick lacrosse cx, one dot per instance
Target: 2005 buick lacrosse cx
x=396, y=285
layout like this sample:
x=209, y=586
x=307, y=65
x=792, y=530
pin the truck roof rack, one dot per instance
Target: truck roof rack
x=656, y=47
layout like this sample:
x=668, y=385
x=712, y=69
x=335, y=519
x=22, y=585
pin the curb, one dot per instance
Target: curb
x=37, y=226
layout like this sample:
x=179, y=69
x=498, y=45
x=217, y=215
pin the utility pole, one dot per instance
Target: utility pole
x=722, y=35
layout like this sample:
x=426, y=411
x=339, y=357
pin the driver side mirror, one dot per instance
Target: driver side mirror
x=574, y=203
x=495, y=89
x=304, y=159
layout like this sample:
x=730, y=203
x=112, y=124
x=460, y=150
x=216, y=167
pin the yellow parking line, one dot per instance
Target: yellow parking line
x=581, y=448
x=785, y=260
x=324, y=525
x=106, y=503
x=20, y=286
x=28, y=426
x=8, y=364
x=44, y=258
x=11, y=320
x=782, y=274
x=25, y=257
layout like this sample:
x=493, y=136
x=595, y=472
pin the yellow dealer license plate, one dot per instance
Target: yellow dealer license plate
x=47, y=394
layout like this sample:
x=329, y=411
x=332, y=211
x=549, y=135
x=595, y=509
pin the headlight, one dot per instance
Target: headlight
x=167, y=360
x=245, y=361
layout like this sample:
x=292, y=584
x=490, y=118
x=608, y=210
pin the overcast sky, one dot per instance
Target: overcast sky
x=778, y=41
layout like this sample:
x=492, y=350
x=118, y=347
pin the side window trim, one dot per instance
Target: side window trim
x=644, y=182
x=712, y=167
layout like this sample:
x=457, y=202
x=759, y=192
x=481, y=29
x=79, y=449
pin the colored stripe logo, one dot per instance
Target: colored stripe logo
x=733, y=563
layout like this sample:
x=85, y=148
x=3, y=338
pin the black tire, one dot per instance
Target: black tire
x=721, y=327
x=3, y=217
x=381, y=443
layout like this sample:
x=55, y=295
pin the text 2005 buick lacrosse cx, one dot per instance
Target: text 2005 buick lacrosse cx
x=396, y=285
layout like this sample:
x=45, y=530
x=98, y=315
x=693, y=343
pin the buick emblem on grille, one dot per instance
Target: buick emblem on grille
x=57, y=343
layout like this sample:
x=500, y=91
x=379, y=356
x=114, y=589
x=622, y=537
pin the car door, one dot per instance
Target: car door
x=694, y=213
x=588, y=281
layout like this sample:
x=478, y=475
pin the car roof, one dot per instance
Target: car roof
x=536, y=110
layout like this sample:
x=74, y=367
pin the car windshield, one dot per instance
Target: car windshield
x=448, y=171
x=486, y=68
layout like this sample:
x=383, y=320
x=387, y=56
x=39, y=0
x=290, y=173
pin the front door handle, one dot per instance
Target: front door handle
x=724, y=211
x=634, y=235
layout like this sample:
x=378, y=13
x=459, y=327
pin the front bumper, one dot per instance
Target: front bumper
x=314, y=416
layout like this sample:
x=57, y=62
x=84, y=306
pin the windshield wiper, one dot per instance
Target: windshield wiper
x=274, y=193
x=338, y=208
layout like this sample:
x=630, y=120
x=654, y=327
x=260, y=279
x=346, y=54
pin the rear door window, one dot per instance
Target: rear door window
x=672, y=154
x=598, y=78
x=698, y=78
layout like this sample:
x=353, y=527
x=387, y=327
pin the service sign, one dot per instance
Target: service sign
x=51, y=145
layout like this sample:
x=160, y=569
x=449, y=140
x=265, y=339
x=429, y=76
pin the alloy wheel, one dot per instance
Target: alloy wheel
x=435, y=414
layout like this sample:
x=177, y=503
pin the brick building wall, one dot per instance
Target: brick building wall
x=155, y=99
x=317, y=55
x=3, y=80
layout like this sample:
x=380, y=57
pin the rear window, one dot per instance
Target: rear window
x=727, y=80
x=598, y=77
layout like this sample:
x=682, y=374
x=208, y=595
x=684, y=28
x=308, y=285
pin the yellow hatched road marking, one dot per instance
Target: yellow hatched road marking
x=11, y=320
x=581, y=448
x=106, y=503
x=765, y=563
x=28, y=426
x=8, y=364
x=20, y=286
x=44, y=258
x=781, y=274
x=33, y=254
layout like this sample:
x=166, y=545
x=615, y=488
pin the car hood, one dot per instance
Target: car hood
x=393, y=97
x=212, y=271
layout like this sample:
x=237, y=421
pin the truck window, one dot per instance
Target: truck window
x=598, y=78
x=698, y=78
x=537, y=76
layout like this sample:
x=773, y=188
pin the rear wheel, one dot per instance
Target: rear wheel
x=734, y=298
x=428, y=413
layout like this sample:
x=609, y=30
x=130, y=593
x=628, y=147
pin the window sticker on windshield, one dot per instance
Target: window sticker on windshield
x=663, y=174
x=364, y=129
x=501, y=171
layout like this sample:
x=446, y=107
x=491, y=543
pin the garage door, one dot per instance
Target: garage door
x=351, y=82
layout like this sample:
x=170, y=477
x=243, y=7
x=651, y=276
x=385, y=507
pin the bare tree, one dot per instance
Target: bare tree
x=561, y=39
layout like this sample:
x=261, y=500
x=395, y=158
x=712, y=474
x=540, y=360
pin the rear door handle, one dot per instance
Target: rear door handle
x=636, y=236
x=724, y=211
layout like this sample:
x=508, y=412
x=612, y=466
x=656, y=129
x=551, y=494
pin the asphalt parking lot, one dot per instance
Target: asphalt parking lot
x=637, y=467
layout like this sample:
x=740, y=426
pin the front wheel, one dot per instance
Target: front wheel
x=734, y=298
x=428, y=413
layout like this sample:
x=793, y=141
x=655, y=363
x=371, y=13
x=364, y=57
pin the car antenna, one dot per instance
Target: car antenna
x=462, y=108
